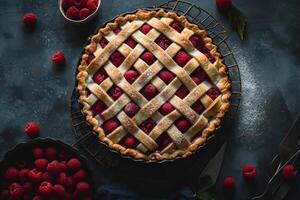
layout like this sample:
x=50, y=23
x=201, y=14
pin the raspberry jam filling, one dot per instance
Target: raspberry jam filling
x=90, y=58
x=148, y=57
x=131, y=42
x=98, y=107
x=199, y=44
x=110, y=125
x=177, y=26
x=129, y=142
x=213, y=93
x=131, y=109
x=116, y=58
x=166, y=76
x=103, y=42
x=149, y=91
x=148, y=125
x=163, y=42
x=146, y=28
x=115, y=92
x=198, y=107
x=100, y=76
x=182, y=124
x=163, y=141
x=181, y=58
x=131, y=75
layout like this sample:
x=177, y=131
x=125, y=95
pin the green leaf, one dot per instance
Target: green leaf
x=204, y=184
x=238, y=21
x=206, y=196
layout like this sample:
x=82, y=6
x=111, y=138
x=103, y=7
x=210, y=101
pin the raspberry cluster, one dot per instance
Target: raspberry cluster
x=79, y=9
x=47, y=173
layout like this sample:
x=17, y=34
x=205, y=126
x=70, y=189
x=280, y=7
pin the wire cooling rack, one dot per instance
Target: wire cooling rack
x=84, y=135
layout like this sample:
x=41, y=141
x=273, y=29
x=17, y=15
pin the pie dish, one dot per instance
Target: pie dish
x=152, y=85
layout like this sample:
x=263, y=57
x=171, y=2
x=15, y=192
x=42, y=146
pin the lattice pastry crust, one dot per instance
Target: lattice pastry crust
x=168, y=137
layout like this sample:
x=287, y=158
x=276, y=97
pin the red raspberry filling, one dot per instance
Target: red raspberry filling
x=177, y=26
x=166, y=108
x=117, y=31
x=149, y=91
x=148, y=57
x=182, y=58
x=200, y=75
x=163, y=42
x=110, y=125
x=147, y=125
x=131, y=75
x=131, y=42
x=166, y=76
x=115, y=92
x=90, y=58
x=98, y=108
x=117, y=58
x=100, y=76
x=131, y=109
x=129, y=141
x=163, y=140
x=182, y=92
x=213, y=92
x=145, y=28
x=249, y=172
x=103, y=42
x=199, y=44
x=182, y=124
x=198, y=107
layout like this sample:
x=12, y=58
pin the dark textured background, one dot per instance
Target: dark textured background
x=32, y=89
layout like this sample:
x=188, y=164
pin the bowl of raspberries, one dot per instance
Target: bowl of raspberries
x=45, y=169
x=79, y=11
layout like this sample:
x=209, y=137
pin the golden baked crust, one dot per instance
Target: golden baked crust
x=217, y=71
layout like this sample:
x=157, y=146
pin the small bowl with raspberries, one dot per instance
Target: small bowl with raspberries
x=45, y=169
x=79, y=11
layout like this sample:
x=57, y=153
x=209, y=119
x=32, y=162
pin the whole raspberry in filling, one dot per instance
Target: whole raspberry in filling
x=147, y=125
x=163, y=140
x=103, y=42
x=145, y=28
x=166, y=76
x=98, y=107
x=90, y=58
x=110, y=125
x=100, y=76
x=213, y=92
x=198, y=43
x=149, y=91
x=182, y=92
x=131, y=109
x=131, y=75
x=163, y=42
x=130, y=141
x=148, y=57
x=200, y=74
x=131, y=42
x=115, y=92
x=198, y=107
x=182, y=58
x=182, y=124
x=177, y=26
x=117, y=58
x=117, y=31
x=166, y=108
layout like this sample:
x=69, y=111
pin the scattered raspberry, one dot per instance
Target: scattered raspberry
x=177, y=26
x=148, y=57
x=249, y=172
x=166, y=108
x=11, y=173
x=84, y=13
x=30, y=19
x=182, y=92
x=74, y=164
x=163, y=42
x=35, y=176
x=91, y=5
x=131, y=75
x=166, y=76
x=182, y=58
x=41, y=164
x=51, y=153
x=83, y=187
x=149, y=91
x=53, y=167
x=37, y=152
x=115, y=92
x=224, y=5
x=80, y=175
x=147, y=125
x=100, y=76
x=130, y=141
x=182, y=124
x=213, y=92
x=146, y=28
x=198, y=107
x=117, y=58
x=110, y=125
x=61, y=178
x=59, y=190
x=229, y=183
x=79, y=3
x=72, y=13
x=32, y=129
x=23, y=174
x=28, y=187
x=131, y=109
x=131, y=42
x=45, y=189
x=16, y=190
x=65, y=4
x=288, y=172
x=47, y=177
x=58, y=58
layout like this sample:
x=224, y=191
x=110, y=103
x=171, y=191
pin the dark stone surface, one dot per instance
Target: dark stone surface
x=35, y=90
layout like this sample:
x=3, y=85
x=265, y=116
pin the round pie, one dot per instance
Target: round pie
x=152, y=85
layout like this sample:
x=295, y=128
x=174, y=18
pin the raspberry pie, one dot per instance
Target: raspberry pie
x=153, y=85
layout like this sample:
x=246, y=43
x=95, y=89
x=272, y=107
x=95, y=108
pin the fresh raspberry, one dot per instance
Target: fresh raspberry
x=224, y=5
x=91, y=5
x=131, y=75
x=23, y=174
x=70, y=183
x=148, y=57
x=53, y=167
x=131, y=42
x=182, y=124
x=146, y=28
x=51, y=153
x=84, y=13
x=166, y=108
x=58, y=58
x=11, y=174
x=35, y=176
x=213, y=93
x=116, y=58
x=37, y=152
x=16, y=190
x=61, y=178
x=37, y=197
x=100, y=76
x=131, y=109
x=198, y=107
x=177, y=26
x=45, y=189
x=103, y=42
x=65, y=4
x=249, y=172
x=288, y=172
x=47, y=177
x=130, y=141
x=110, y=125
x=163, y=42
x=32, y=129
x=83, y=188
x=182, y=92
x=166, y=76
x=59, y=190
x=182, y=58
x=72, y=13
x=229, y=183
x=80, y=175
x=28, y=187
x=41, y=164
x=30, y=19
x=147, y=125
x=115, y=92
x=63, y=166
x=74, y=164
x=149, y=91
x=79, y=3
